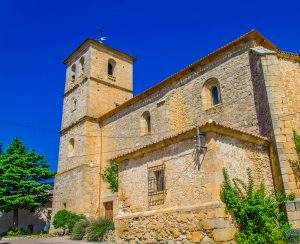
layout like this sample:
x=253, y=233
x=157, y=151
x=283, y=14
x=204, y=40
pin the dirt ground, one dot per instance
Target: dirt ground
x=58, y=240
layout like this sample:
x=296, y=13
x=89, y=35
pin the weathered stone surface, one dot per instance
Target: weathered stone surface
x=259, y=94
x=282, y=81
x=224, y=234
x=206, y=240
x=196, y=236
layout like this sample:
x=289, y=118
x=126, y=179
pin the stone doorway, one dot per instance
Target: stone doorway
x=108, y=206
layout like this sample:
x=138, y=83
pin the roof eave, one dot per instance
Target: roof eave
x=90, y=42
x=205, y=128
x=251, y=35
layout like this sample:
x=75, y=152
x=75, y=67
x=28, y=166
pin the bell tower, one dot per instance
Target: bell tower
x=98, y=78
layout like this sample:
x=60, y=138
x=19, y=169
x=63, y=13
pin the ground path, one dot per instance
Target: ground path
x=52, y=240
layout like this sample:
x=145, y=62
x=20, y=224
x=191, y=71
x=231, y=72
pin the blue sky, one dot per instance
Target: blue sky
x=164, y=36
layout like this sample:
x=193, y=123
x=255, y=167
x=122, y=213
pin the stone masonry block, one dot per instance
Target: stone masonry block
x=297, y=205
x=290, y=207
x=224, y=234
x=294, y=215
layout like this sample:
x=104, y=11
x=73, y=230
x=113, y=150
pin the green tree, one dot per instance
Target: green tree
x=257, y=213
x=22, y=177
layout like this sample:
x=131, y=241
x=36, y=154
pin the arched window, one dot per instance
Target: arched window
x=71, y=147
x=146, y=123
x=215, y=95
x=111, y=67
x=73, y=72
x=211, y=93
x=81, y=61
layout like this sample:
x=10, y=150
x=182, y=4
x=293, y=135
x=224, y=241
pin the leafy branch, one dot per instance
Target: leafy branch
x=295, y=164
x=110, y=175
x=297, y=142
x=256, y=212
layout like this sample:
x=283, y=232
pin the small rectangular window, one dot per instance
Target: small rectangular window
x=156, y=185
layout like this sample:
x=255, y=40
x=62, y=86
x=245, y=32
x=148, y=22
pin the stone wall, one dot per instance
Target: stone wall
x=190, y=192
x=282, y=79
x=180, y=106
x=70, y=82
x=38, y=219
x=75, y=105
x=103, y=98
x=77, y=190
x=207, y=223
x=122, y=70
x=249, y=82
x=89, y=95
x=77, y=182
x=87, y=146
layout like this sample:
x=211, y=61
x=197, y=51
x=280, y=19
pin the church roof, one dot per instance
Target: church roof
x=210, y=126
x=252, y=35
x=91, y=42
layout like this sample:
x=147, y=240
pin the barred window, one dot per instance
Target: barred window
x=160, y=180
x=156, y=185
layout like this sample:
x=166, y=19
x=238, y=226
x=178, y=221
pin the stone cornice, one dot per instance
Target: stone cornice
x=189, y=134
x=280, y=54
x=110, y=84
x=89, y=42
x=288, y=55
x=208, y=205
x=85, y=79
x=67, y=93
x=78, y=122
x=74, y=168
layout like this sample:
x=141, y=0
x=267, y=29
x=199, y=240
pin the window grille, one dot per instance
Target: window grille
x=156, y=185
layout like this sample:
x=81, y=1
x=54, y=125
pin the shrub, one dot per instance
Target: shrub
x=97, y=229
x=257, y=213
x=17, y=232
x=110, y=176
x=79, y=228
x=66, y=220
x=297, y=142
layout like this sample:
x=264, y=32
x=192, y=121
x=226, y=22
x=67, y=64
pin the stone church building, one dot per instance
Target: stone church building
x=237, y=108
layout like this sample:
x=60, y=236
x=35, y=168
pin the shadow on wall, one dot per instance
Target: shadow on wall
x=36, y=221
